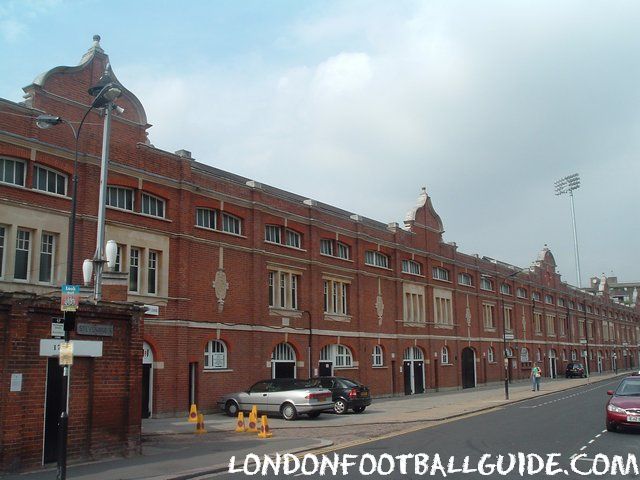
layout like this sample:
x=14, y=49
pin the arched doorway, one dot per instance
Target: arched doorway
x=147, y=380
x=283, y=361
x=599, y=361
x=468, y=368
x=413, y=365
x=553, y=366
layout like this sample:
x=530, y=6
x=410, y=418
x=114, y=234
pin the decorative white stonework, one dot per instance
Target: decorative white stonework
x=467, y=313
x=220, y=284
x=379, y=304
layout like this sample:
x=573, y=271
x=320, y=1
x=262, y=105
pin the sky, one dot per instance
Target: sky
x=359, y=104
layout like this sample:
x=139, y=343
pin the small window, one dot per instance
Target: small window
x=491, y=355
x=444, y=354
x=535, y=296
x=134, y=270
x=152, y=272
x=272, y=233
x=412, y=267
x=215, y=355
x=231, y=224
x=548, y=299
x=120, y=197
x=343, y=251
x=561, y=302
x=522, y=292
x=326, y=247
x=12, y=171
x=440, y=273
x=206, y=218
x=505, y=289
x=486, y=283
x=23, y=249
x=377, y=358
x=376, y=259
x=47, y=249
x=293, y=239
x=465, y=279
x=152, y=205
x=49, y=180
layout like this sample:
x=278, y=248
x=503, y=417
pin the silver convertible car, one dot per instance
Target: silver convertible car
x=288, y=397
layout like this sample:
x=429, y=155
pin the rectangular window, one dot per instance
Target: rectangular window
x=537, y=323
x=443, y=309
x=283, y=290
x=343, y=251
x=23, y=242
x=118, y=266
x=206, y=218
x=272, y=233
x=326, y=247
x=561, y=302
x=489, y=322
x=414, y=301
x=335, y=297
x=551, y=325
x=293, y=239
x=49, y=180
x=376, y=259
x=440, y=273
x=522, y=293
x=152, y=272
x=562, y=326
x=134, y=267
x=120, y=197
x=2, y=240
x=548, y=299
x=152, y=205
x=46, y=258
x=465, y=279
x=412, y=267
x=535, y=296
x=505, y=289
x=12, y=171
x=508, y=324
x=231, y=224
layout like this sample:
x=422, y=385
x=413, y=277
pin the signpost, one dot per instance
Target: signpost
x=57, y=327
x=70, y=298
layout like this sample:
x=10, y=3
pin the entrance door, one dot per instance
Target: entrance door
x=406, y=370
x=553, y=367
x=326, y=369
x=147, y=380
x=283, y=361
x=413, y=364
x=468, y=368
x=418, y=376
x=53, y=409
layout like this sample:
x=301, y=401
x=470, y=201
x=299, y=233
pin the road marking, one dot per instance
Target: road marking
x=582, y=448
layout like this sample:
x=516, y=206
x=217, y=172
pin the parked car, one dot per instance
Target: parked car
x=575, y=370
x=347, y=394
x=623, y=408
x=288, y=397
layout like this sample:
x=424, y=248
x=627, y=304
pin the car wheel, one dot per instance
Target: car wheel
x=231, y=408
x=611, y=427
x=313, y=414
x=340, y=407
x=288, y=411
x=359, y=409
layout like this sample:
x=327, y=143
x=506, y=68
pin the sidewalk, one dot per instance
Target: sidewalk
x=171, y=451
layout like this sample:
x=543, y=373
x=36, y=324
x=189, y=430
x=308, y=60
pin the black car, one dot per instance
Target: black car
x=575, y=370
x=347, y=394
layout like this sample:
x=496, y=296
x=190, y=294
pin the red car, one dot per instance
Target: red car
x=623, y=408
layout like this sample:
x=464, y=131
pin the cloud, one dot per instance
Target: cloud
x=485, y=104
x=16, y=16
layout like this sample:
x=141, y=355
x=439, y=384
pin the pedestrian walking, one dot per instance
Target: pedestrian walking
x=536, y=374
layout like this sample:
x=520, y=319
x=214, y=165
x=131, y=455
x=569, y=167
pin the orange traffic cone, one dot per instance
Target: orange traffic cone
x=200, y=425
x=240, y=426
x=264, y=428
x=193, y=414
x=253, y=420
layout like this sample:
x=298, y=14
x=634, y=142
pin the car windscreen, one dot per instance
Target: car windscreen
x=629, y=388
x=349, y=383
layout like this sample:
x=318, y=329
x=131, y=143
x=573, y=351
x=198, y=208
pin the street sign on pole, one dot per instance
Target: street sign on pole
x=70, y=298
x=508, y=336
x=57, y=327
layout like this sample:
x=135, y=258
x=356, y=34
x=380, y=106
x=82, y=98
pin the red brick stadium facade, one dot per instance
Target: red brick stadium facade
x=248, y=281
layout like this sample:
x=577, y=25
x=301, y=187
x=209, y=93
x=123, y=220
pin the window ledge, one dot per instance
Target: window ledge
x=377, y=266
x=336, y=317
x=333, y=256
x=284, y=245
x=284, y=312
x=413, y=274
x=214, y=230
x=441, y=280
x=50, y=194
x=217, y=370
x=414, y=324
x=140, y=214
x=443, y=326
x=490, y=329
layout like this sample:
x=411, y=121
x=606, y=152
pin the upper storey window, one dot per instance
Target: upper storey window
x=465, y=279
x=522, y=292
x=486, y=283
x=152, y=205
x=120, y=197
x=210, y=218
x=411, y=266
x=376, y=259
x=440, y=273
x=334, y=248
x=12, y=171
x=282, y=236
x=49, y=180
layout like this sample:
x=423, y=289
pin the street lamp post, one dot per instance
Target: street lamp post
x=504, y=334
x=310, y=345
x=105, y=92
x=567, y=185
